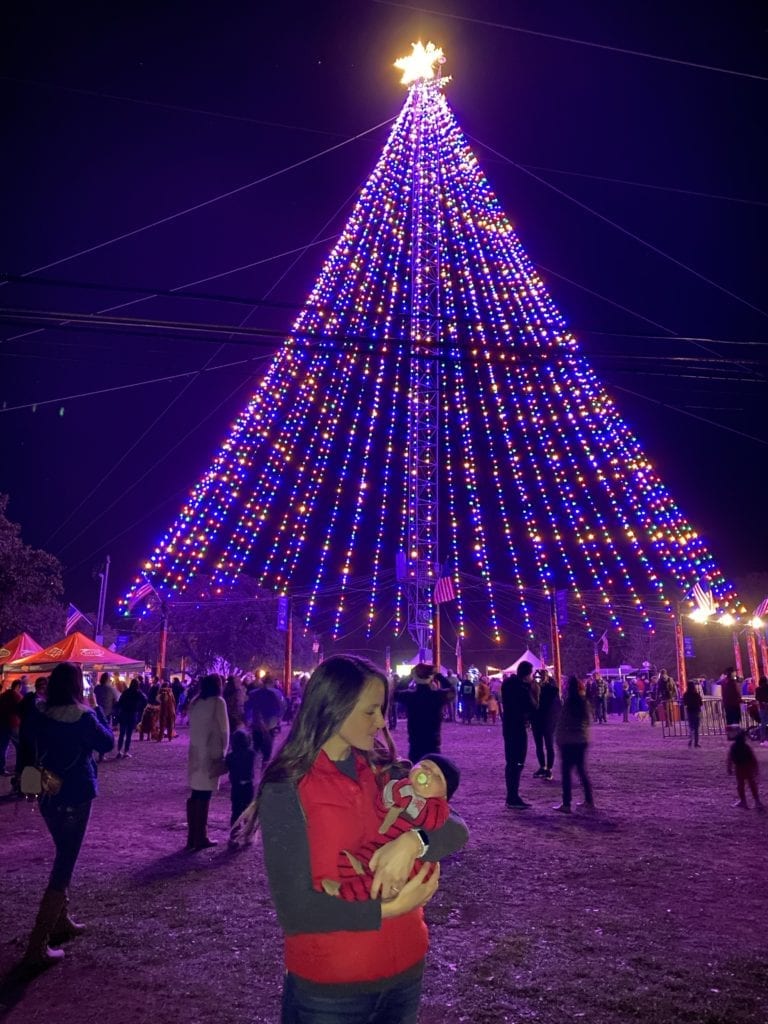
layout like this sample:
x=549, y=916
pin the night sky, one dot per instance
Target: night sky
x=118, y=117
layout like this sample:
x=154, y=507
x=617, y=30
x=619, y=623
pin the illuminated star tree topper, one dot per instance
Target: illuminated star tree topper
x=421, y=64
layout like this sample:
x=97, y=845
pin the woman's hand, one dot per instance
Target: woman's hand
x=418, y=891
x=392, y=864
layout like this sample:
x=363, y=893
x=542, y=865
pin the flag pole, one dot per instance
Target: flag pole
x=162, y=653
x=288, y=663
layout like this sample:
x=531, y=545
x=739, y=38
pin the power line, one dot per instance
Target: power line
x=177, y=398
x=134, y=384
x=169, y=106
x=570, y=39
x=623, y=230
x=692, y=415
x=209, y=202
x=645, y=184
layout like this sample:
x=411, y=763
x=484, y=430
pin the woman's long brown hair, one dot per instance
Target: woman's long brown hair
x=331, y=694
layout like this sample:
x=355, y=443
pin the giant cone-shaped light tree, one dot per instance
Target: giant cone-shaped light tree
x=430, y=414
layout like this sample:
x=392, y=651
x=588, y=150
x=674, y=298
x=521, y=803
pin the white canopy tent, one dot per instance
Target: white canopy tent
x=528, y=656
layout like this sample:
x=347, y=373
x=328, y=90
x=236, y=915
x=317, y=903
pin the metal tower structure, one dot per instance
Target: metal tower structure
x=423, y=564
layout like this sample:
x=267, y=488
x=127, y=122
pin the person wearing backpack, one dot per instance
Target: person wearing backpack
x=468, y=701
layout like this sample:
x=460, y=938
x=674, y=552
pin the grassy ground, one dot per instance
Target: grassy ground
x=652, y=910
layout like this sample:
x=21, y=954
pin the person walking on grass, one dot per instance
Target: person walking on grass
x=106, y=699
x=208, y=742
x=742, y=762
x=64, y=734
x=572, y=736
x=601, y=700
x=693, y=703
x=731, y=697
x=543, y=723
x=518, y=704
x=130, y=708
x=240, y=763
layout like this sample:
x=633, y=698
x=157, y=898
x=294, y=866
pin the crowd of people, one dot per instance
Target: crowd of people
x=352, y=834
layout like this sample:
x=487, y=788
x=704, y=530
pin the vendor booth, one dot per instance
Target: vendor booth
x=78, y=649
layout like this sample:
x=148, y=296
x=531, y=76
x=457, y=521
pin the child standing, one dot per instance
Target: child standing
x=693, y=703
x=742, y=761
x=240, y=761
x=493, y=708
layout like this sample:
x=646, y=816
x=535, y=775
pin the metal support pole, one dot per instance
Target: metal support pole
x=424, y=383
x=682, y=675
x=436, y=639
x=288, y=660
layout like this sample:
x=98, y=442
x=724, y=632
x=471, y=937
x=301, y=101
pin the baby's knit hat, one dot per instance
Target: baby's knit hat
x=449, y=769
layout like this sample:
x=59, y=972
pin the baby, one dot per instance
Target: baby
x=418, y=801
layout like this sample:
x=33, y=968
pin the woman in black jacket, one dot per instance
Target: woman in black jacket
x=129, y=709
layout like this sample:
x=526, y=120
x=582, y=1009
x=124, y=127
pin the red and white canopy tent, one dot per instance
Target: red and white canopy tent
x=78, y=649
x=19, y=647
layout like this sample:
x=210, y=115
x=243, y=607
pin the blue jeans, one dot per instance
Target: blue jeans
x=67, y=826
x=398, y=1005
x=127, y=725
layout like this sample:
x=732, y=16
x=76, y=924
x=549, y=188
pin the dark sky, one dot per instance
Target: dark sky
x=120, y=116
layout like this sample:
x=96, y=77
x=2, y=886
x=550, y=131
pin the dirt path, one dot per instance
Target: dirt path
x=652, y=910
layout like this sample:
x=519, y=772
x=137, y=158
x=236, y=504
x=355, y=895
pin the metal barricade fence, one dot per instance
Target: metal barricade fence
x=672, y=715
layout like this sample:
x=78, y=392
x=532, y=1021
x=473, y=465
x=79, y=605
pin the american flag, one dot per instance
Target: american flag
x=73, y=617
x=138, y=594
x=603, y=642
x=444, y=590
x=762, y=609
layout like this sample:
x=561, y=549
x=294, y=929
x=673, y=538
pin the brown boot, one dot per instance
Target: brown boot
x=38, y=953
x=65, y=928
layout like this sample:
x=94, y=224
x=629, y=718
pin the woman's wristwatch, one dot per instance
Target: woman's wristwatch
x=424, y=840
